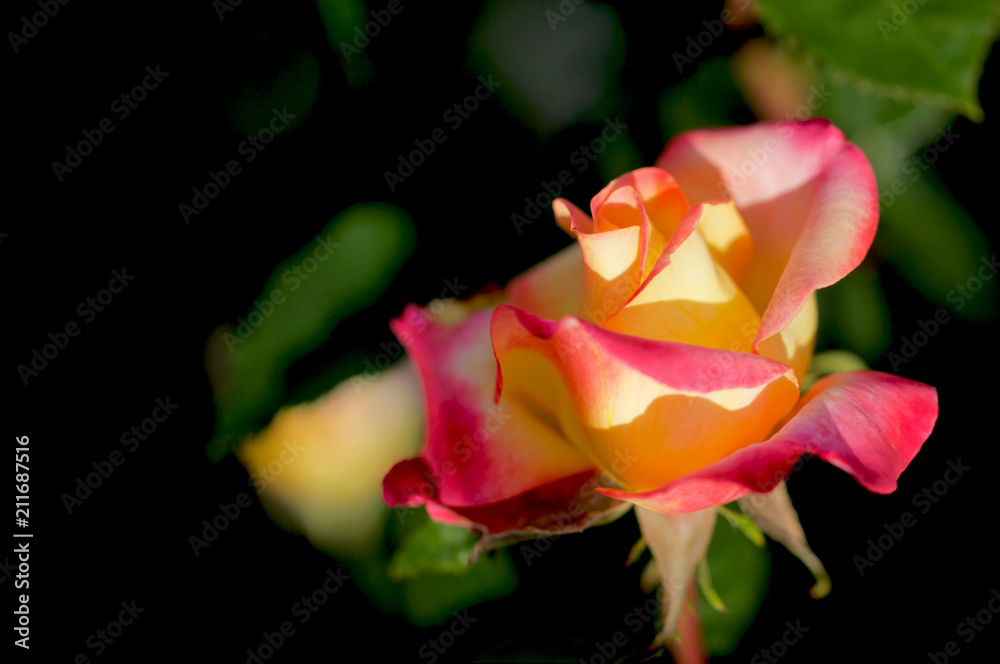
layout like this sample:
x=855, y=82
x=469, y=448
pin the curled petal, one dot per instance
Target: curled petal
x=727, y=237
x=836, y=237
x=553, y=288
x=663, y=199
x=867, y=423
x=567, y=505
x=612, y=270
x=572, y=219
x=808, y=198
x=476, y=451
x=794, y=344
x=644, y=411
x=689, y=297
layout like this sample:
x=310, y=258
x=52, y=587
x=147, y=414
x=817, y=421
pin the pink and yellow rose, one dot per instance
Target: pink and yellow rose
x=658, y=360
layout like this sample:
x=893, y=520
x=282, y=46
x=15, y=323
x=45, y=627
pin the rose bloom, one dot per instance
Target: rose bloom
x=657, y=361
x=317, y=465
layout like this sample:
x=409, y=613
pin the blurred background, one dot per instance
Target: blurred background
x=227, y=201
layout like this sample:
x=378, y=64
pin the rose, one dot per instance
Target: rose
x=317, y=465
x=657, y=361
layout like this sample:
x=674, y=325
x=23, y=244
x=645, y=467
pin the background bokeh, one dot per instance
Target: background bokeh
x=447, y=226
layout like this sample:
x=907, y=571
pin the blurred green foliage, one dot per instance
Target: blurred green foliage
x=343, y=20
x=739, y=570
x=300, y=305
x=707, y=98
x=927, y=51
x=433, y=547
x=291, y=83
x=432, y=561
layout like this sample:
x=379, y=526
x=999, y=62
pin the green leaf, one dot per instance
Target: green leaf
x=345, y=268
x=739, y=572
x=937, y=246
x=927, y=51
x=744, y=524
x=432, y=599
x=888, y=131
x=291, y=84
x=709, y=592
x=432, y=562
x=341, y=18
x=636, y=552
x=433, y=548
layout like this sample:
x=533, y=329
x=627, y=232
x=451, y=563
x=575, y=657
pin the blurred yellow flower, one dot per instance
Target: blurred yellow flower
x=318, y=466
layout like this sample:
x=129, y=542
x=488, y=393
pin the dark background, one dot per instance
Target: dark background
x=119, y=210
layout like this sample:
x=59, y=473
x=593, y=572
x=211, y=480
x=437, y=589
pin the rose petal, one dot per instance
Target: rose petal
x=836, y=237
x=795, y=343
x=663, y=199
x=553, y=288
x=727, y=237
x=567, y=505
x=808, y=198
x=611, y=270
x=476, y=451
x=867, y=423
x=689, y=298
x=644, y=411
x=572, y=219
